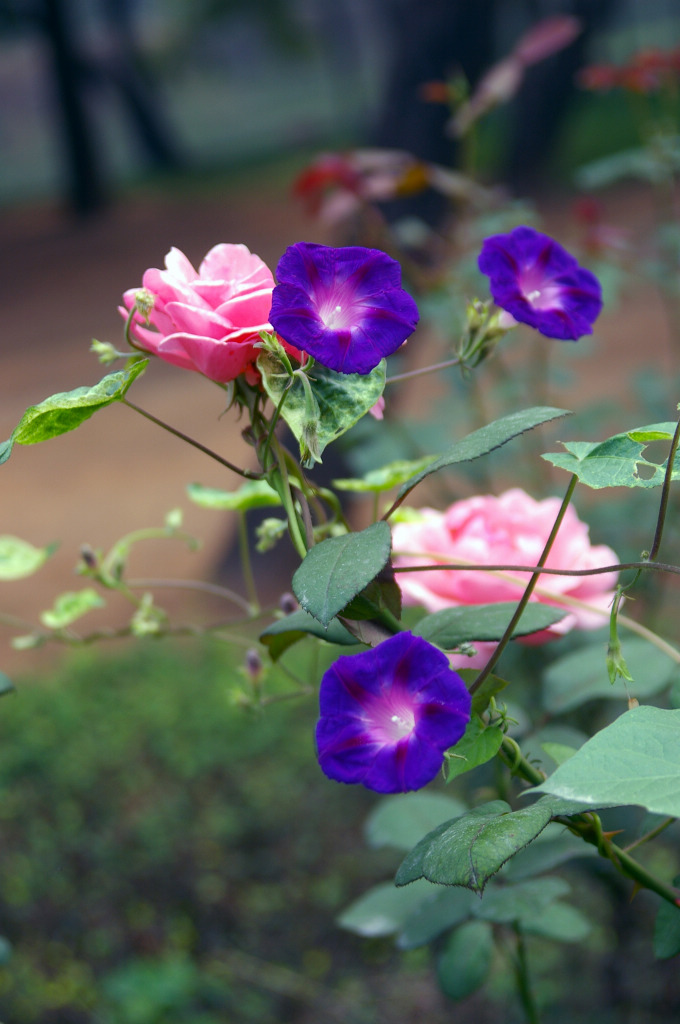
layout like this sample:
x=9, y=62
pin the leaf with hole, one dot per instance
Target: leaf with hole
x=619, y=461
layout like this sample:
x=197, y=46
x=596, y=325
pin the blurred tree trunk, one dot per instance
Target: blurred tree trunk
x=86, y=192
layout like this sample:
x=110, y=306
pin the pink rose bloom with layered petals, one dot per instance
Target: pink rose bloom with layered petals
x=507, y=530
x=207, y=320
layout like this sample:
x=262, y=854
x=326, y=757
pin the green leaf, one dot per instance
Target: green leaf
x=582, y=675
x=485, y=440
x=19, y=559
x=466, y=961
x=453, y=626
x=667, y=929
x=478, y=745
x=553, y=847
x=67, y=410
x=402, y=821
x=6, y=686
x=337, y=569
x=283, y=633
x=383, y=592
x=558, y=921
x=383, y=909
x=617, y=462
x=559, y=752
x=438, y=913
x=6, y=450
x=384, y=478
x=469, y=850
x=646, y=163
x=635, y=760
x=341, y=400
x=489, y=688
x=71, y=606
x=507, y=903
x=252, y=494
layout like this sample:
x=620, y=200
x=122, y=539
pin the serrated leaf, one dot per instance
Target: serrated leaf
x=251, y=494
x=478, y=745
x=560, y=922
x=283, y=633
x=635, y=760
x=67, y=410
x=19, y=559
x=507, y=903
x=341, y=398
x=667, y=929
x=617, y=461
x=383, y=909
x=337, y=569
x=70, y=606
x=485, y=440
x=469, y=850
x=553, y=847
x=384, y=478
x=402, y=821
x=438, y=913
x=465, y=963
x=483, y=622
x=582, y=675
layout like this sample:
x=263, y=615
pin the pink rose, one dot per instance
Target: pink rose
x=210, y=320
x=508, y=530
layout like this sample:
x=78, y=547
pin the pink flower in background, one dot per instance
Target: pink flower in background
x=207, y=320
x=508, y=530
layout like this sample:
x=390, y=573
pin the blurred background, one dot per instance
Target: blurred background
x=162, y=863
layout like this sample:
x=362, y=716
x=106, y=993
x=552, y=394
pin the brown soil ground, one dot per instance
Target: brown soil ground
x=60, y=285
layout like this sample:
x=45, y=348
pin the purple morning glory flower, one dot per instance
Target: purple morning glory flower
x=539, y=283
x=389, y=713
x=345, y=307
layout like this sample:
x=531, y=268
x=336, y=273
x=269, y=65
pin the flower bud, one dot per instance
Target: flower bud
x=144, y=302
x=288, y=603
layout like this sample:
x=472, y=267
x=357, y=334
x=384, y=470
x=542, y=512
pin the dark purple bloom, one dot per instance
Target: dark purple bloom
x=539, y=283
x=345, y=307
x=389, y=713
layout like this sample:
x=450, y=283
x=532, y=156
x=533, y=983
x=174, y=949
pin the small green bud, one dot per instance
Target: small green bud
x=616, y=664
x=148, y=620
x=269, y=533
x=104, y=351
x=173, y=520
x=144, y=302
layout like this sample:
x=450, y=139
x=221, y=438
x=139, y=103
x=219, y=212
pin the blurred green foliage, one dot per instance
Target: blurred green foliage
x=161, y=848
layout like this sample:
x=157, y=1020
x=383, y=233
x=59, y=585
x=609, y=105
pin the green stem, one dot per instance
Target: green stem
x=524, y=600
x=649, y=835
x=587, y=826
x=281, y=482
x=202, y=585
x=272, y=426
x=665, y=493
x=246, y=564
x=545, y=571
x=524, y=989
x=433, y=368
x=247, y=473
